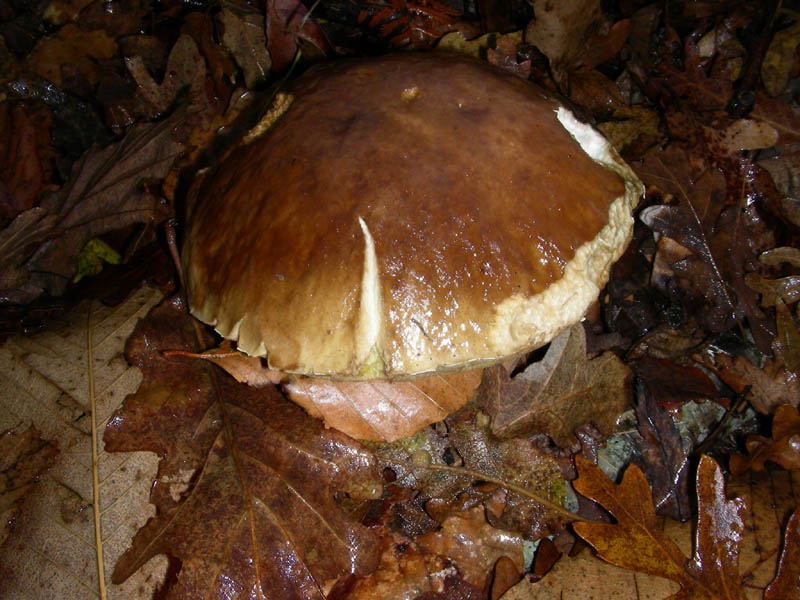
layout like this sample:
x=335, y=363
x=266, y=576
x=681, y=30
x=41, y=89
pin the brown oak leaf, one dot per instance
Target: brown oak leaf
x=785, y=586
x=636, y=541
x=783, y=448
x=474, y=545
x=559, y=393
x=245, y=489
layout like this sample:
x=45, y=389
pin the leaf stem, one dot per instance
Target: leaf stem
x=98, y=540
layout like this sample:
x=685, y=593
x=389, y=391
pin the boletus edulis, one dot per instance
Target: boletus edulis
x=406, y=218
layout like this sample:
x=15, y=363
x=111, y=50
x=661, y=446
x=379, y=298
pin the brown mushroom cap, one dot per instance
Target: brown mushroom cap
x=406, y=215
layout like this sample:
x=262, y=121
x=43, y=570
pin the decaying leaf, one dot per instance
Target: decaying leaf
x=780, y=59
x=50, y=550
x=474, y=545
x=24, y=456
x=558, y=393
x=785, y=586
x=782, y=449
x=104, y=193
x=573, y=34
x=249, y=479
x=383, y=410
x=635, y=541
x=185, y=69
x=289, y=22
x=245, y=39
x=71, y=45
x=765, y=388
x=662, y=456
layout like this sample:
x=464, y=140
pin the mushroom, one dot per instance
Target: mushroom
x=407, y=216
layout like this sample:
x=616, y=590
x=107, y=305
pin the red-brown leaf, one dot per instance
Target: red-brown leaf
x=245, y=491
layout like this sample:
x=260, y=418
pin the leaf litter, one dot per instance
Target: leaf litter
x=692, y=304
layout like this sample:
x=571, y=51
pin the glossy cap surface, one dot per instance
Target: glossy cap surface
x=407, y=214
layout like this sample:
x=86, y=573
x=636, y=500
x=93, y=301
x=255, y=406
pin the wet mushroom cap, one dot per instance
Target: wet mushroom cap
x=410, y=214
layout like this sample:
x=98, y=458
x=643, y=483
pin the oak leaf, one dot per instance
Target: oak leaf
x=245, y=490
x=636, y=542
x=474, y=545
x=765, y=388
x=783, y=448
x=559, y=393
x=785, y=586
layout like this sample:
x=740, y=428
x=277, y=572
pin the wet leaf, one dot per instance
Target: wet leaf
x=786, y=344
x=785, y=586
x=662, y=456
x=573, y=34
x=558, y=393
x=636, y=542
x=247, y=497
x=783, y=448
x=246, y=40
x=289, y=23
x=378, y=410
x=474, y=545
x=105, y=193
x=185, y=69
x=71, y=46
x=766, y=388
x=21, y=168
x=50, y=550
x=24, y=456
x=780, y=59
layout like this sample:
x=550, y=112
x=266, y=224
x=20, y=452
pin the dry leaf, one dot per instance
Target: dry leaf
x=474, y=545
x=636, y=541
x=378, y=410
x=783, y=449
x=558, y=393
x=50, y=549
x=245, y=490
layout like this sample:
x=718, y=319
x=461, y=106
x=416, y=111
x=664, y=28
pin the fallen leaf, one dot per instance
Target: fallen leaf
x=786, y=175
x=21, y=169
x=378, y=410
x=474, y=545
x=673, y=385
x=779, y=115
x=24, y=456
x=785, y=586
x=786, y=344
x=782, y=449
x=71, y=45
x=766, y=388
x=289, y=22
x=245, y=489
x=185, y=69
x=662, y=456
x=636, y=542
x=776, y=68
x=404, y=572
x=40, y=247
x=771, y=495
x=558, y=393
x=785, y=289
x=573, y=34
x=50, y=550
x=245, y=38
